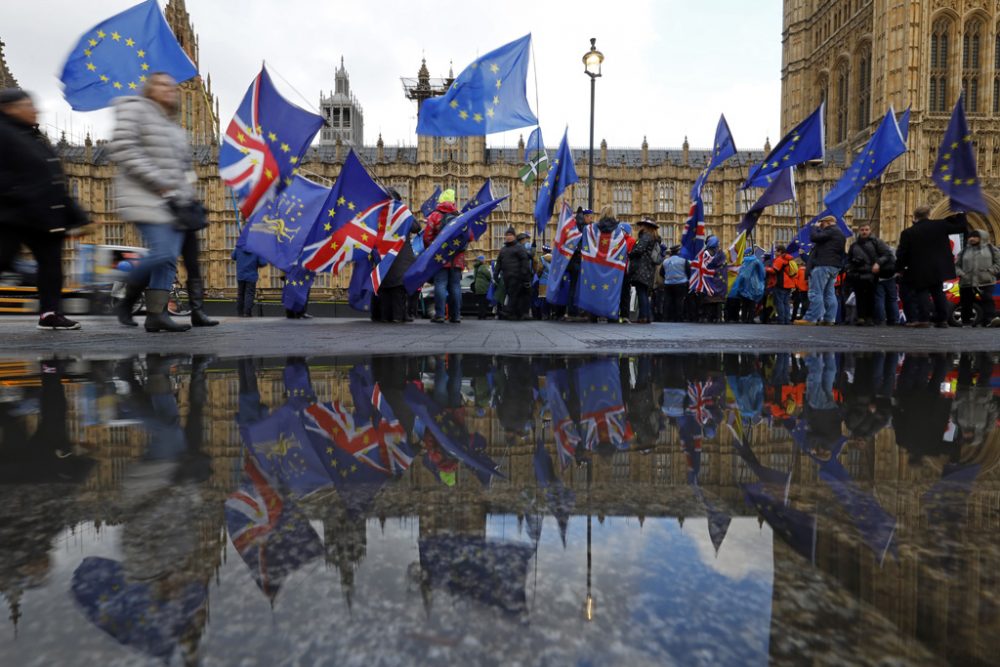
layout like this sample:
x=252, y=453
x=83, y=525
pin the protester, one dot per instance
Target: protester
x=392, y=292
x=482, y=279
x=978, y=268
x=513, y=267
x=584, y=218
x=247, y=265
x=625, y=294
x=642, y=262
x=153, y=158
x=825, y=263
x=709, y=303
x=886, y=312
x=676, y=274
x=448, y=279
x=924, y=261
x=866, y=258
x=748, y=288
x=36, y=209
x=800, y=300
x=539, y=304
x=785, y=271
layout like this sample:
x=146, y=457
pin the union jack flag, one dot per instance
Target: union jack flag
x=566, y=241
x=700, y=281
x=701, y=400
x=263, y=144
x=602, y=412
x=602, y=271
x=693, y=239
x=381, y=448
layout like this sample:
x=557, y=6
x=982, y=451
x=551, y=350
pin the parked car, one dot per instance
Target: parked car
x=468, y=298
x=955, y=312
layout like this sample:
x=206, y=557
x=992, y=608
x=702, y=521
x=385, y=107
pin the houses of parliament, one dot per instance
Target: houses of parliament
x=859, y=56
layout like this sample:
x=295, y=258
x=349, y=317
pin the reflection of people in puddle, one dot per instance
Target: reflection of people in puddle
x=822, y=413
x=43, y=469
x=922, y=410
x=155, y=598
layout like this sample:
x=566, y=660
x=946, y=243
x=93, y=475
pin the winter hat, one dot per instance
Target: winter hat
x=510, y=232
x=523, y=235
x=11, y=95
x=712, y=242
x=448, y=196
x=627, y=228
x=481, y=258
x=976, y=233
x=646, y=222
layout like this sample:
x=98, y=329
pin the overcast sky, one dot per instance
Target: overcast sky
x=672, y=66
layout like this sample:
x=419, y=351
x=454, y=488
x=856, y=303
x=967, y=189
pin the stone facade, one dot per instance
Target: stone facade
x=343, y=113
x=863, y=56
x=7, y=79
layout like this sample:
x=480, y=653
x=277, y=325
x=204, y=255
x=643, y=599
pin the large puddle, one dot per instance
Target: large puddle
x=642, y=510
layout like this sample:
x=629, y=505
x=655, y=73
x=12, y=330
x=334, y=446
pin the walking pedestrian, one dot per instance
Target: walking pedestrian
x=247, y=274
x=924, y=261
x=482, y=278
x=676, y=274
x=865, y=261
x=448, y=279
x=825, y=262
x=154, y=177
x=978, y=268
x=36, y=209
x=642, y=262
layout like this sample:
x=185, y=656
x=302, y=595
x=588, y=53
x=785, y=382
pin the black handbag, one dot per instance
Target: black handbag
x=188, y=216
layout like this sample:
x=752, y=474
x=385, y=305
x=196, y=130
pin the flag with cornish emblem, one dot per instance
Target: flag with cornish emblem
x=264, y=143
x=602, y=271
x=566, y=241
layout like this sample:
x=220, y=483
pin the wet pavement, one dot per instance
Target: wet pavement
x=699, y=509
x=103, y=337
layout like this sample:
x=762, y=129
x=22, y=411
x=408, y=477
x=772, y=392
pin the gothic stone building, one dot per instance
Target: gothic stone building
x=857, y=55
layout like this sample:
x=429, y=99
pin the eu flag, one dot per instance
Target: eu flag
x=804, y=143
x=428, y=206
x=264, y=143
x=888, y=143
x=278, y=232
x=295, y=293
x=723, y=149
x=955, y=169
x=781, y=189
x=451, y=241
x=281, y=448
x=488, y=96
x=602, y=407
x=115, y=57
x=484, y=195
x=560, y=176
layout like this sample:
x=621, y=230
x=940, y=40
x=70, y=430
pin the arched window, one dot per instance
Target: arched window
x=842, y=90
x=938, y=94
x=863, y=74
x=971, y=63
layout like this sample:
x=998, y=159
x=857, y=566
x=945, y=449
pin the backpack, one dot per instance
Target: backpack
x=792, y=268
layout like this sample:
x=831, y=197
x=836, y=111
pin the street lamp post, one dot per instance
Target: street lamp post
x=592, y=60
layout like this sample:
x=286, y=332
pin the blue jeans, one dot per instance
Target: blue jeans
x=159, y=266
x=821, y=372
x=782, y=305
x=645, y=311
x=886, y=302
x=448, y=285
x=822, y=295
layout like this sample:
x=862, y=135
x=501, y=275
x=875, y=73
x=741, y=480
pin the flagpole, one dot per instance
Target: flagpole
x=746, y=202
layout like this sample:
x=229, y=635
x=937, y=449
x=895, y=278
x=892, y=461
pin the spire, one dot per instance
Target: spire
x=687, y=151
x=423, y=74
x=767, y=145
x=7, y=79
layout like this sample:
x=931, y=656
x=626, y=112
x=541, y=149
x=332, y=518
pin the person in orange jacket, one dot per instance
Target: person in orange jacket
x=784, y=283
x=801, y=297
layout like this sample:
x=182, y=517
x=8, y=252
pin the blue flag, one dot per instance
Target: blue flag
x=888, y=143
x=115, y=57
x=281, y=448
x=723, y=149
x=484, y=195
x=803, y=242
x=602, y=271
x=955, y=169
x=534, y=145
x=295, y=293
x=264, y=144
x=560, y=176
x=804, y=143
x=278, y=232
x=451, y=241
x=602, y=406
x=428, y=206
x=564, y=245
x=781, y=190
x=693, y=238
x=487, y=97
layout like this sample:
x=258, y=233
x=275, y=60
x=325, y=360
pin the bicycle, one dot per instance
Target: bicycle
x=178, y=304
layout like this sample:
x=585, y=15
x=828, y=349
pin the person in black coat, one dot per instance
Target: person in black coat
x=36, y=209
x=514, y=266
x=392, y=293
x=865, y=260
x=924, y=261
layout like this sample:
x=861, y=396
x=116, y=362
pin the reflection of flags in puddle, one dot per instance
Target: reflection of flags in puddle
x=794, y=527
x=602, y=411
x=559, y=499
x=270, y=533
x=566, y=434
x=281, y=447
